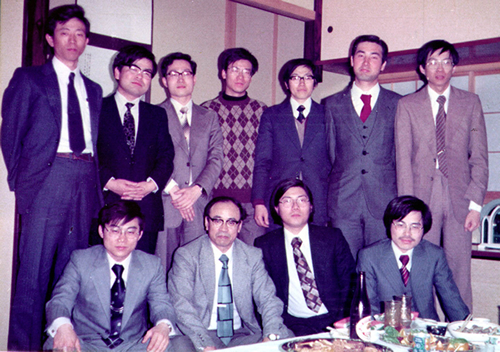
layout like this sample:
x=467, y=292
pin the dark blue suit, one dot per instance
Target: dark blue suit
x=333, y=270
x=56, y=197
x=278, y=155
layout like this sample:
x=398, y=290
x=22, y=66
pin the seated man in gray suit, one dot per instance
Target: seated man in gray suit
x=214, y=281
x=101, y=301
x=406, y=264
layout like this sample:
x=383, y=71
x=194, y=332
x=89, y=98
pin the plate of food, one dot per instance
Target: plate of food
x=332, y=345
x=475, y=331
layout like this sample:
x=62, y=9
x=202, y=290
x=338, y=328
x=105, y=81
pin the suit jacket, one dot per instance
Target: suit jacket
x=153, y=155
x=83, y=295
x=278, y=155
x=31, y=128
x=203, y=158
x=466, y=149
x=332, y=262
x=429, y=269
x=363, y=155
x=191, y=282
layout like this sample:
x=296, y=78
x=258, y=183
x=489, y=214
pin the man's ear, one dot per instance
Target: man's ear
x=101, y=231
x=49, y=40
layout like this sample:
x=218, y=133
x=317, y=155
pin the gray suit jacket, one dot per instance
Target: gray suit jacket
x=191, y=282
x=429, y=270
x=466, y=149
x=203, y=158
x=363, y=155
x=83, y=295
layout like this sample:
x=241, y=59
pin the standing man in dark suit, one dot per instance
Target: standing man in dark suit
x=49, y=132
x=135, y=149
x=363, y=178
x=298, y=253
x=197, y=139
x=292, y=143
x=442, y=156
x=407, y=264
x=103, y=298
x=217, y=280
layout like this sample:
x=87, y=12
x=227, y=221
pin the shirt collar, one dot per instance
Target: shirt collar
x=178, y=106
x=374, y=91
x=398, y=253
x=125, y=262
x=121, y=100
x=62, y=69
x=307, y=105
x=433, y=95
x=303, y=234
x=218, y=253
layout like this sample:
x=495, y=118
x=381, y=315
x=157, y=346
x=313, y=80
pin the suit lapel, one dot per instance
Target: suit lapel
x=132, y=287
x=279, y=262
x=142, y=129
x=198, y=127
x=314, y=125
x=174, y=126
x=419, y=270
x=116, y=124
x=100, y=276
x=93, y=100
x=287, y=123
x=241, y=277
x=207, y=270
x=347, y=109
x=53, y=93
x=454, y=116
x=389, y=268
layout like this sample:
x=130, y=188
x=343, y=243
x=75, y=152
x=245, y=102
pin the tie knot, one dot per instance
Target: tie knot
x=224, y=259
x=129, y=106
x=184, y=110
x=404, y=259
x=296, y=242
x=301, y=108
x=118, y=270
x=366, y=98
x=441, y=100
x=71, y=77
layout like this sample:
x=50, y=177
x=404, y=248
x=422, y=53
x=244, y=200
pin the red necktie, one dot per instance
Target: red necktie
x=367, y=108
x=405, y=275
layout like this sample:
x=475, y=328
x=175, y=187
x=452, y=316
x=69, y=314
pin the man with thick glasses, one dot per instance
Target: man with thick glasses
x=292, y=143
x=239, y=117
x=442, y=156
x=214, y=281
x=311, y=266
x=197, y=138
x=406, y=264
x=135, y=149
x=108, y=294
x=361, y=117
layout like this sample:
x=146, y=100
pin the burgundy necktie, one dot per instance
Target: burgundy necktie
x=440, y=135
x=405, y=275
x=129, y=127
x=367, y=108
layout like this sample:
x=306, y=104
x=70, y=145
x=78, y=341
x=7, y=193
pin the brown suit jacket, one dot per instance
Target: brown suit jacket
x=466, y=148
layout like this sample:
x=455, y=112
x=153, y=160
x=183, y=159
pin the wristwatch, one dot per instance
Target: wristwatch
x=273, y=337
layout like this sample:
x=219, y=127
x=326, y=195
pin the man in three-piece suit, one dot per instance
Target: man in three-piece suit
x=134, y=147
x=292, y=143
x=197, y=139
x=361, y=118
x=214, y=281
x=407, y=264
x=49, y=132
x=298, y=254
x=442, y=156
x=103, y=297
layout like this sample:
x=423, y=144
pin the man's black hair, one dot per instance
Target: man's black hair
x=130, y=53
x=170, y=58
x=63, y=14
x=429, y=48
x=229, y=56
x=290, y=66
x=125, y=210
x=400, y=207
x=224, y=199
x=372, y=39
x=281, y=188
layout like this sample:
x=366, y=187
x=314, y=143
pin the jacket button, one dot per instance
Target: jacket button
x=364, y=137
x=187, y=182
x=432, y=178
x=365, y=127
x=49, y=164
x=188, y=164
x=302, y=159
x=365, y=152
x=364, y=171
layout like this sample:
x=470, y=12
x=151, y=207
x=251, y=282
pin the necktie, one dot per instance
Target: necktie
x=129, y=127
x=185, y=124
x=440, y=135
x=405, y=275
x=75, y=126
x=367, y=108
x=117, y=299
x=301, y=117
x=306, y=278
x=225, y=301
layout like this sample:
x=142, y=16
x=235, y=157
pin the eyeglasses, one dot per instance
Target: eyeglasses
x=433, y=63
x=137, y=70
x=116, y=231
x=176, y=74
x=288, y=202
x=236, y=71
x=306, y=78
x=401, y=226
x=230, y=223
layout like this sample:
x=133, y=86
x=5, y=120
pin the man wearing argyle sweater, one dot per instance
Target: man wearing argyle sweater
x=239, y=117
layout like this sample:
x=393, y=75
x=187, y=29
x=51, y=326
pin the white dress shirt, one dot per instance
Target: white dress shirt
x=307, y=105
x=356, y=93
x=398, y=253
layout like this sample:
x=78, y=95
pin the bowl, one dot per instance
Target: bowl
x=470, y=336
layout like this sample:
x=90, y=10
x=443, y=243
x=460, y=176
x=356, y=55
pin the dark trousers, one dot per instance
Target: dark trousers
x=57, y=223
x=308, y=326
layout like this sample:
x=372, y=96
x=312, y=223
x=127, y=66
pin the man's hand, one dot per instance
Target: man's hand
x=159, y=338
x=143, y=189
x=121, y=187
x=266, y=339
x=66, y=339
x=185, y=198
x=209, y=348
x=472, y=220
x=261, y=215
x=187, y=214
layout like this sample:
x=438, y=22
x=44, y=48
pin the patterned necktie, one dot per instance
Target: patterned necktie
x=185, y=124
x=225, y=304
x=75, y=126
x=306, y=278
x=405, y=275
x=440, y=135
x=301, y=117
x=117, y=300
x=129, y=128
x=367, y=108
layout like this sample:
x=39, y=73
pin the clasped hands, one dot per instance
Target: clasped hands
x=129, y=190
x=184, y=199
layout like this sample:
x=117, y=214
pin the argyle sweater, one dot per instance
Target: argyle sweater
x=239, y=119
